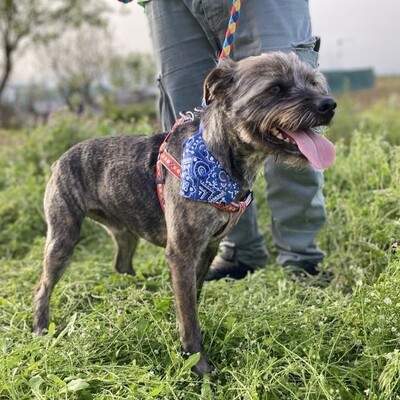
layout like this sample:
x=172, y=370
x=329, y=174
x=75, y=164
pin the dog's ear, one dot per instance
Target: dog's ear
x=219, y=80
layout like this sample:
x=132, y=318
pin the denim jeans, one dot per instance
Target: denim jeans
x=187, y=37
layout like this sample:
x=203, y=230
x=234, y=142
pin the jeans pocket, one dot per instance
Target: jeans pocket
x=307, y=50
x=216, y=13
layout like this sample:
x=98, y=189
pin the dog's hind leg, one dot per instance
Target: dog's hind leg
x=126, y=243
x=63, y=231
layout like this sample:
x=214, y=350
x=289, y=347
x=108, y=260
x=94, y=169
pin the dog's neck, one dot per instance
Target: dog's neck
x=240, y=160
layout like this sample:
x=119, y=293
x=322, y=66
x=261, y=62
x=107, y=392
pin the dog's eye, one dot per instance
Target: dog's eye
x=276, y=89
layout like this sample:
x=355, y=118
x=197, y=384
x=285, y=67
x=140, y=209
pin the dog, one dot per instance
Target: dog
x=258, y=107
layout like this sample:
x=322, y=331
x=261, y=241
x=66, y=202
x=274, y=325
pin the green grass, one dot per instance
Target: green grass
x=115, y=337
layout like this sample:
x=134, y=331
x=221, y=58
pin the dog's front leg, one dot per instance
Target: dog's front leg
x=204, y=264
x=182, y=265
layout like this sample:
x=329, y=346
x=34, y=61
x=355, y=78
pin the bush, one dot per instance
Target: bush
x=131, y=113
x=383, y=118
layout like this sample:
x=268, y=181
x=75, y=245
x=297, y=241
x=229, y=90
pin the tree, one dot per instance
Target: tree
x=131, y=70
x=24, y=22
x=79, y=62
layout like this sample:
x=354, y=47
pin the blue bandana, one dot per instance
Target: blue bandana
x=203, y=177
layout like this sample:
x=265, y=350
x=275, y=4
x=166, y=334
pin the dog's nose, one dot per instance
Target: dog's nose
x=326, y=106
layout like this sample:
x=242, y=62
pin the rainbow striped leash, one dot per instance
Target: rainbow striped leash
x=230, y=32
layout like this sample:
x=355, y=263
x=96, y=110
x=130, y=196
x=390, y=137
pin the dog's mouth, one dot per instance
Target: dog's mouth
x=317, y=149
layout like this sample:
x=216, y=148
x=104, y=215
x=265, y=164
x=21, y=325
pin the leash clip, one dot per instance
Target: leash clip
x=249, y=198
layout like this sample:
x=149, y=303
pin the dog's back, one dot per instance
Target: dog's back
x=107, y=179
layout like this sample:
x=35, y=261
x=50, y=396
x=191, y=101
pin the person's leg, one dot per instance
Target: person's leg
x=185, y=53
x=298, y=213
x=186, y=36
x=294, y=195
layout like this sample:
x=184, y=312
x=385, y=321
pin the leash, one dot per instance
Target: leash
x=230, y=32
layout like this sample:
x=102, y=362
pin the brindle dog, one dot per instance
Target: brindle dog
x=261, y=106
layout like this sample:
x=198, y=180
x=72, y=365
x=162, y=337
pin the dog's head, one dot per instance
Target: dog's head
x=275, y=103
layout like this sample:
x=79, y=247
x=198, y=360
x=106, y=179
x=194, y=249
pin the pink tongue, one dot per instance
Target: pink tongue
x=318, y=150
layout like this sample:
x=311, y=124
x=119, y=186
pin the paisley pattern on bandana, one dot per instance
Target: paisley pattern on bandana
x=203, y=178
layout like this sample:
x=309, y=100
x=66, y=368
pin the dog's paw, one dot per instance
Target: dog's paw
x=203, y=367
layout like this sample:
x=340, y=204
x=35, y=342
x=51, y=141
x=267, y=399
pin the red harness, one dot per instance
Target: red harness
x=172, y=165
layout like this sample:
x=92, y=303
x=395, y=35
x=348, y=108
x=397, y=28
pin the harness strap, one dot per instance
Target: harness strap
x=166, y=160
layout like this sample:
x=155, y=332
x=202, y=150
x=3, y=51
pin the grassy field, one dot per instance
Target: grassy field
x=269, y=337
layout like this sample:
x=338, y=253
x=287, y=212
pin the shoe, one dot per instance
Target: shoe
x=302, y=267
x=227, y=266
x=308, y=269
